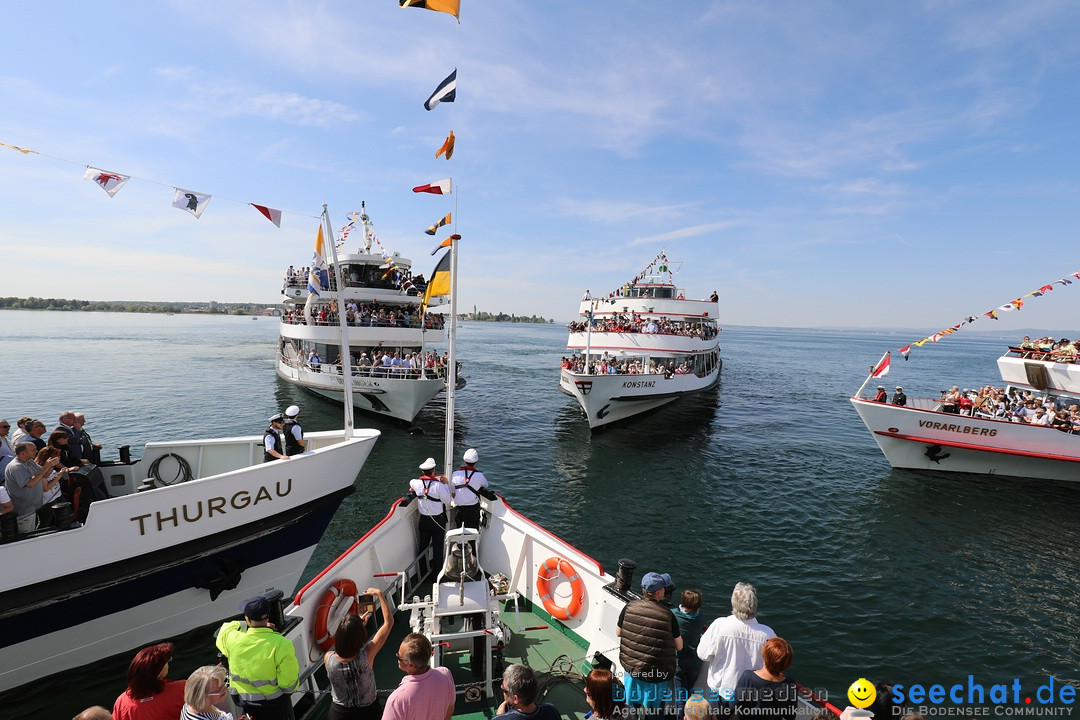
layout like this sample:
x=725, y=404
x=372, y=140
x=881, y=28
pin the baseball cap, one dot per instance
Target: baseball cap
x=654, y=581
x=257, y=608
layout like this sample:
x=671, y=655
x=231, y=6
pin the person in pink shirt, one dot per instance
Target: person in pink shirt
x=425, y=693
x=149, y=696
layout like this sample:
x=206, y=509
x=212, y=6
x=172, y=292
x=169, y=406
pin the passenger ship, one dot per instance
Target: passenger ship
x=643, y=346
x=923, y=436
x=381, y=319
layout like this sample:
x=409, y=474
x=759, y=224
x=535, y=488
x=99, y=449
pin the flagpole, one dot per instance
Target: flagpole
x=451, y=370
x=346, y=351
x=871, y=375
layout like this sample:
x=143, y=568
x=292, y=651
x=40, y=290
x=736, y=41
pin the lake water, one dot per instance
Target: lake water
x=867, y=571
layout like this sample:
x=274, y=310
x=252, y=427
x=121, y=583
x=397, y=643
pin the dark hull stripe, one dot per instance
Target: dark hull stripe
x=68, y=601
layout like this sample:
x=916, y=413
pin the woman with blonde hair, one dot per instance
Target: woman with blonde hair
x=205, y=688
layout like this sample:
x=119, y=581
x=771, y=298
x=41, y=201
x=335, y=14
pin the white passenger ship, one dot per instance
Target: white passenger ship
x=382, y=319
x=923, y=436
x=190, y=530
x=643, y=346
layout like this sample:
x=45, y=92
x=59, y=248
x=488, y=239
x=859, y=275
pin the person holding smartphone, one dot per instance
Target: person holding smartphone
x=349, y=664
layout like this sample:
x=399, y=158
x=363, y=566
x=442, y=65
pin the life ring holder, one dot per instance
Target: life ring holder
x=553, y=566
x=330, y=613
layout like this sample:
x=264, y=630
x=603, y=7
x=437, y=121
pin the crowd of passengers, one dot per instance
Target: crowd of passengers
x=1015, y=406
x=383, y=362
x=1046, y=348
x=372, y=314
x=40, y=470
x=299, y=278
x=634, y=323
x=606, y=365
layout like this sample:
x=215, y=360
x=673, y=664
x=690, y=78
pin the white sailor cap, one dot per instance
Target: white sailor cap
x=428, y=464
x=470, y=456
x=292, y=411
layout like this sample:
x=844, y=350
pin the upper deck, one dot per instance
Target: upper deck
x=365, y=276
x=649, y=295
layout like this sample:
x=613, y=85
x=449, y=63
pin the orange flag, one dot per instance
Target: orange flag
x=447, y=146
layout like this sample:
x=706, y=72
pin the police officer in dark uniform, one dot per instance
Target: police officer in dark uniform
x=293, y=433
x=273, y=445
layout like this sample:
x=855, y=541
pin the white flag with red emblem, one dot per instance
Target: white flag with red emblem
x=109, y=182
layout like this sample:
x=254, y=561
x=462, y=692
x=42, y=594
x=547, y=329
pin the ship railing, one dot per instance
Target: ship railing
x=1044, y=355
x=412, y=324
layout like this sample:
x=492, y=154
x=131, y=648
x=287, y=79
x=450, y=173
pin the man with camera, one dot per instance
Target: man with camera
x=27, y=482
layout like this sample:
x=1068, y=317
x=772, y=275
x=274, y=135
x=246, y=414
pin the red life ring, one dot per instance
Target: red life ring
x=554, y=566
x=329, y=607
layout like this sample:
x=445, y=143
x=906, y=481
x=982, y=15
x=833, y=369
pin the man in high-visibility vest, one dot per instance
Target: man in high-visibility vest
x=263, y=669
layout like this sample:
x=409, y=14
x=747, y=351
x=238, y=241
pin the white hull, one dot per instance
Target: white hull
x=155, y=564
x=606, y=399
x=391, y=397
x=919, y=438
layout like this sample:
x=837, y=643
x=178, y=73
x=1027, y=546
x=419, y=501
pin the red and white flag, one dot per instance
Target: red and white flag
x=905, y=351
x=270, y=214
x=440, y=187
x=109, y=182
x=882, y=368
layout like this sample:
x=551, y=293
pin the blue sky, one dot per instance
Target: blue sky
x=818, y=164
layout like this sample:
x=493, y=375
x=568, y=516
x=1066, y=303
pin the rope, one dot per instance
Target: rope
x=183, y=472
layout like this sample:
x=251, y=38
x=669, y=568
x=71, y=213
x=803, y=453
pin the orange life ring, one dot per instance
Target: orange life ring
x=554, y=566
x=328, y=605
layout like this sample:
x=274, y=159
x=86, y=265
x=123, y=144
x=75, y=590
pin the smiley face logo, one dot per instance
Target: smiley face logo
x=861, y=693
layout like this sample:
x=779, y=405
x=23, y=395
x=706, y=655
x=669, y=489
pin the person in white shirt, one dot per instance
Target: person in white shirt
x=733, y=644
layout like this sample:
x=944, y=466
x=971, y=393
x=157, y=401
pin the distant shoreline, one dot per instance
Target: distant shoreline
x=205, y=308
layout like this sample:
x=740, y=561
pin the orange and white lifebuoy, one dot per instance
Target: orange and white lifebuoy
x=548, y=571
x=330, y=612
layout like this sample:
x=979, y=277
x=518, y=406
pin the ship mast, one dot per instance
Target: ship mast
x=451, y=370
x=346, y=351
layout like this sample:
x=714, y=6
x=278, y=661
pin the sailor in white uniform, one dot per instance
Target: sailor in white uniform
x=434, y=494
x=467, y=484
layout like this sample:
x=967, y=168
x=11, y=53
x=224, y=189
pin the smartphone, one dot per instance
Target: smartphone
x=366, y=602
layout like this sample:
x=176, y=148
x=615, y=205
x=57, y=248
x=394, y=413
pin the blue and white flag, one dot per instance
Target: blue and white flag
x=319, y=276
x=446, y=92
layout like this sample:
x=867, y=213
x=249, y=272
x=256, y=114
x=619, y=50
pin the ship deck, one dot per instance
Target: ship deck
x=557, y=658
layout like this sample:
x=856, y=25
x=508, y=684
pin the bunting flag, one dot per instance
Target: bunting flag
x=882, y=368
x=452, y=7
x=24, y=151
x=439, y=187
x=270, y=214
x=319, y=276
x=446, y=243
x=447, y=146
x=109, y=182
x=1014, y=305
x=446, y=92
x=439, y=284
x=445, y=221
x=191, y=202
